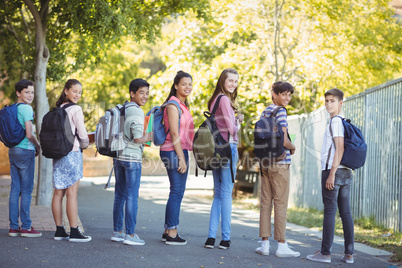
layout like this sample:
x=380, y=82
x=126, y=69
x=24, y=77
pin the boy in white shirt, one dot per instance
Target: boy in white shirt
x=335, y=182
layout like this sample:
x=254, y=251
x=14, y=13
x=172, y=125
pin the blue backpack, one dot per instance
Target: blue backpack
x=11, y=130
x=355, y=153
x=158, y=127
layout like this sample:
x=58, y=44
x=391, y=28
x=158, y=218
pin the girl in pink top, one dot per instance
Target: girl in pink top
x=228, y=125
x=68, y=170
x=174, y=152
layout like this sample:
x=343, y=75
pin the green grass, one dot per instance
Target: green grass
x=366, y=231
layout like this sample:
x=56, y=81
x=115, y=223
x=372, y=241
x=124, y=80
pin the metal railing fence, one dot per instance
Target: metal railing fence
x=377, y=186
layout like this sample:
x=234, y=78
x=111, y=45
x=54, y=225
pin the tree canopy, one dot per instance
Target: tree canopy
x=46, y=40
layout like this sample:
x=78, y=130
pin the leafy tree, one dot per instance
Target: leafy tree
x=314, y=44
x=46, y=39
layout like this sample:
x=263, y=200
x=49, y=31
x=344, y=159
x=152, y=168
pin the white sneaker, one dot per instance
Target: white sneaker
x=264, y=249
x=284, y=251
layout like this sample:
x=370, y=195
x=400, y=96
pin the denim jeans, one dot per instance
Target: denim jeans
x=340, y=196
x=177, y=187
x=22, y=170
x=128, y=176
x=222, y=205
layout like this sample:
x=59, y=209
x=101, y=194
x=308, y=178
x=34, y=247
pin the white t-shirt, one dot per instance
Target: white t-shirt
x=337, y=131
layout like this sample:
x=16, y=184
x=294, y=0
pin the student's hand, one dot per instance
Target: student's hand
x=292, y=152
x=149, y=136
x=182, y=165
x=37, y=150
x=330, y=182
x=240, y=117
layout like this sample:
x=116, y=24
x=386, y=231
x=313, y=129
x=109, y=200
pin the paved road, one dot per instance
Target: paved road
x=95, y=210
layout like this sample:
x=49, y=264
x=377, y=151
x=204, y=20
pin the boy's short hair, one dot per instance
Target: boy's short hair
x=280, y=87
x=24, y=83
x=335, y=92
x=137, y=84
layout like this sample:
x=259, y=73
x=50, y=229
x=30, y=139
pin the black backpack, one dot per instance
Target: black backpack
x=268, y=139
x=210, y=149
x=56, y=137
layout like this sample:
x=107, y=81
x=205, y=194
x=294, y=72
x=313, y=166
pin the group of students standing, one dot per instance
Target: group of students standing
x=174, y=154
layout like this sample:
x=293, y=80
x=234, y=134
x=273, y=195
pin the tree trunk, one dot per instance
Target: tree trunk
x=44, y=189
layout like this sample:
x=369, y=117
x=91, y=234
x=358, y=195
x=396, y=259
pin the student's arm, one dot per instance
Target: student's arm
x=286, y=142
x=173, y=117
x=147, y=137
x=31, y=137
x=229, y=116
x=78, y=119
x=339, y=150
x=135, y=119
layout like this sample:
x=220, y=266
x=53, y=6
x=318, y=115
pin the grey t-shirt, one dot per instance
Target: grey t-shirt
x=133, y=129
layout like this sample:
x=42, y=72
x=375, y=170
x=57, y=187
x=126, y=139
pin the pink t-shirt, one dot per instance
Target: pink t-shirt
x=186, y=129
x=76, y=117
x=225, y=118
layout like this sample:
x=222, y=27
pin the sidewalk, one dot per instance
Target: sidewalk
x=95, y=210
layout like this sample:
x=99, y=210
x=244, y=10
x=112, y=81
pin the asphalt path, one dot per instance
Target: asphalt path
x=95, y=210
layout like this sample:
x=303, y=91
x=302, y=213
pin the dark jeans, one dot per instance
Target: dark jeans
x=340, y=196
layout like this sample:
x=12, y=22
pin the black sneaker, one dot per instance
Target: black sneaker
x=210, y=243
x=77, y=236
x=61, y=234
x=164, y=236
x=177, y=241
x=224, y=244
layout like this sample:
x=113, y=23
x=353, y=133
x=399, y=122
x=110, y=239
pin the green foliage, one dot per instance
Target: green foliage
x=315, y=45
x=108, y=85
x=79, y=33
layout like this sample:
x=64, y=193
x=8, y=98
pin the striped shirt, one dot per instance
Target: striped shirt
x=281, y=117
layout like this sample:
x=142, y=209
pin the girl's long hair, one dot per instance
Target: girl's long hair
x=220, y=88
x=176, y=81
x=63, y=97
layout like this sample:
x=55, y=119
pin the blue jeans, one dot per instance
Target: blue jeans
x=340, y=196
x=128, y=176
x=22, y=170
x=222, y=205
x=177, y=187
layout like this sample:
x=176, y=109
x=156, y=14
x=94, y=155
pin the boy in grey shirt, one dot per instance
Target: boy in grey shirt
x=128, y=164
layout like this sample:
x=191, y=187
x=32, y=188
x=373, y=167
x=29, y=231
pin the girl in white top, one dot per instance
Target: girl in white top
x=68, y=170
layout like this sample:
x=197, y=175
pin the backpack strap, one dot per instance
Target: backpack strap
x=216, y=104
x=231, y=160
x=107, y=185
x=126, y=105
x=231, y=165
x=274, y=112
x=333, y=140
x=67, y=105
x=178, y=107
x=175, y=103
x=76, y=131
